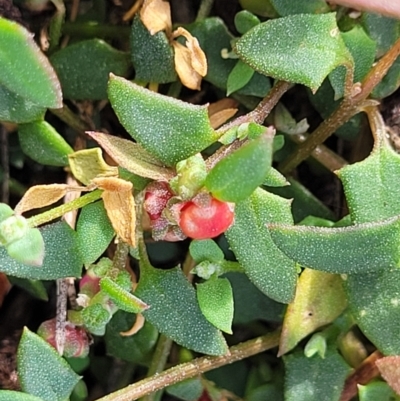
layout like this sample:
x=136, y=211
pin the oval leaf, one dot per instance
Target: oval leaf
x=168, y=128
x=266, y=266
x=30, y=74
x=352, y=249
x=42, y=371
x=56, y=264
x=42, y=143
x=94, y=232
x=7, y=395
x=215, y=298
x=83, y=68
x=174, y=310
x=235, y=177
x=304, y=56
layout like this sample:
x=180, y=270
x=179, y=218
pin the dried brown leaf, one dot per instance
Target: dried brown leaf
x=120, y=206
x=389, y=367
x=190, y=61
x=156, y=16
x=132, y=157
x=43, y=195
x=220, y=117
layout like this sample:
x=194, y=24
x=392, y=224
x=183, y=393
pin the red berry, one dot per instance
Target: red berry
x=203, y=220
x=156, y=197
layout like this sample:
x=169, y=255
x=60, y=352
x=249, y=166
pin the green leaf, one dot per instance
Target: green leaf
x=384, y=31
x=235, y=177
x=362, y=49
x=213, y=37
x=83, y=68
x=389, y=83
x=7, y=395
x=122, y=298
x=168, y=128
x=42, y=143
x=152, y=55
x=353, y=249
x=238, y=77
x=289, y=7
x=245, y=293
x=245, y=20
x=376, y=390
x=319, y=300
x=304, y=56
x=29, y=249
x=374, y=301
x=187, y=390
x=266, y=266
x=24, y=68
x=308, y=379
x=94, y=232
x=371, y=191
x=136, y=348
x=56, y=264
x=174, y=310
x=35, y=288
x=17, y=109
x=216, y=302
x=205, y=249
x=42, y=371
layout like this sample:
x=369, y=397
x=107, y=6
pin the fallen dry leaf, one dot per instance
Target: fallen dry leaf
x=44, y=195
x=389, y=367
x=120, y=206
x=156, y=16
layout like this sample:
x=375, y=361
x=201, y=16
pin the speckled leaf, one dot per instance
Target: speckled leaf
x=7, y=395
x=266, y=266
x=168, y=128
x=238, y=77
x=213, y=36
x=289, y=7
x=283, y=49
x=353, y=249
x=152, y=55
x=42, y=371
x=25, y=70
x=42, y=143
x=371, y=191
x=319, y=300
x=206, y=249
x=235, y=177
x=374, y=300
x=122, y=298
x=17, y=109
x=362, y=49
x=94, y=232
x=307, y=379
x=174, y=310
x=132, y=157
x=83, y=68
x=135, y=348
x=62, y=258
x=216, y=302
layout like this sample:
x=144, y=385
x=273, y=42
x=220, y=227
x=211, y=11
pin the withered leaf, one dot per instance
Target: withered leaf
x=156, y=16
x=120, y=206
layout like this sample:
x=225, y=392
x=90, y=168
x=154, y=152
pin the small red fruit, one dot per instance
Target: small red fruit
x=156, y=197
x=200, y=220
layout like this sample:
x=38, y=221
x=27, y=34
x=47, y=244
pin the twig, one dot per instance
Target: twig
x=194, y=368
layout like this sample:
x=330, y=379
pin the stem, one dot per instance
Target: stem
x=120, y=256
x=95, y=30
x=194, y=368
x=59, y=211
x=158, y=361
x=204, y=9
x=66, y=115
x=347, y=108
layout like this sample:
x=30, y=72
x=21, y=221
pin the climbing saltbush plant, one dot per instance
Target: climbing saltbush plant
x=190, y=213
